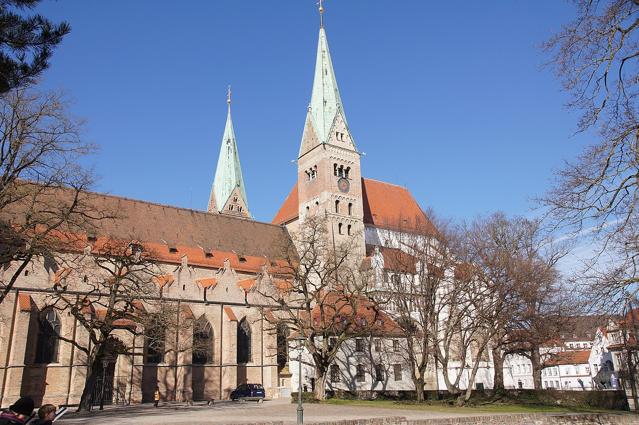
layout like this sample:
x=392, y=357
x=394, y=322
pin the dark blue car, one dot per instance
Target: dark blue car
x=248, y=392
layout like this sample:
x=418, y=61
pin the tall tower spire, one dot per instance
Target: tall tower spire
x=325, y=112
x=328, y=165
x=228, y=195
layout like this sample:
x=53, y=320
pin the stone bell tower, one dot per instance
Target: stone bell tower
x=329, y=173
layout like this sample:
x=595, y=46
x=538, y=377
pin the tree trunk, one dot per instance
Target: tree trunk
x=535, y=359
x=320, y=384
x=452, y=389
x=498, y=363
x=86, y=401
x=419, y=387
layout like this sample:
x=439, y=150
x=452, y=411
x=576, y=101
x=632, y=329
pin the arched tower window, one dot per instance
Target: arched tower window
x=202, y=342
x=350, y=208
x=347, y=171
x=48, y=341
x=337, y=206
x=335, y=169
x=348, y=229
x=339, y=228
x=243, y=341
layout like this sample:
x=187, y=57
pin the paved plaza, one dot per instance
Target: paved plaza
x=242, y=413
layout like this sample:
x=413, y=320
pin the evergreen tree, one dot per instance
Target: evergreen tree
x=26, y=43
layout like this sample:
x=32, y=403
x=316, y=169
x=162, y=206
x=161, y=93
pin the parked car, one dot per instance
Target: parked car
x=248, y=392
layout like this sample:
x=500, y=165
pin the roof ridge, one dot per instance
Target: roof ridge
x=175, y=207
x=390, y=184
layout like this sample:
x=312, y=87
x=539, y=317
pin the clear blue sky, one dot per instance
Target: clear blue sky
x=447, y=98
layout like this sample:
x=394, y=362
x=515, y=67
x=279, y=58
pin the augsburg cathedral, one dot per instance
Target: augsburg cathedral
x=210, y=261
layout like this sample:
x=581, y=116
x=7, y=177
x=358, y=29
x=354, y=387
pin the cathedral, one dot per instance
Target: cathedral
x=210, y=262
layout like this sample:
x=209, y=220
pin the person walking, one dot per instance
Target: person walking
x=156, y=396
x=18, y=413
x=46, y=415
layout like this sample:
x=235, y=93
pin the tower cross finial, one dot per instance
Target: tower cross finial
x=228, y=95
x=321, y=12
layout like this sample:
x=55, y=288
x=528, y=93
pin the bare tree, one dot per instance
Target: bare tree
x=596, y=56
x=112, y=292
x=320, y=294
x=514, y=260
x=41, y=181
x=414, y=275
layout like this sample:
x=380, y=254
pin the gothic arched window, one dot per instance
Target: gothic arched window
x=243, y=341
x=48, y=341
x=154, y=342
x=202, y=342
x=282, y=345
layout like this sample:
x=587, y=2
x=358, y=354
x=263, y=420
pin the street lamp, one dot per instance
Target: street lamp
x=105, y=364
x=300, y=408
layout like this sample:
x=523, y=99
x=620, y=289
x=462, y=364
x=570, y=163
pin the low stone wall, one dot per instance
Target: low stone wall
x=606, y=399
x=511, y=419
x=533, y=419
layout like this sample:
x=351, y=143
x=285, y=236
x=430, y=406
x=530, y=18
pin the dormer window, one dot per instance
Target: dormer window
x=173, y=249
x=242, y=259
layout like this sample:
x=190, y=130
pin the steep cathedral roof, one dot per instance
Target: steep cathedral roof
x=172, y=232
x=386, y=206
x=228, y=174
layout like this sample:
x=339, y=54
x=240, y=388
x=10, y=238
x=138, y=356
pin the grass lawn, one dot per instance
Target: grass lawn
x=486, y=408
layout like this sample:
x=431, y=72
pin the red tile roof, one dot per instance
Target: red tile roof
x=24, y=302
x=289, y=209
x=246, y=284
x=386, y=205
x=568, y=358
x=336, y=311
x=208, y=282
x=61, y=274
x=207, y=239
x=397, y=260
x=164, y=280
x=230, y=314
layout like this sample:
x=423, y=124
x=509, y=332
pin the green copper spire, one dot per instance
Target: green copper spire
x=325, y=120
x=325, y=99
x=228, y=195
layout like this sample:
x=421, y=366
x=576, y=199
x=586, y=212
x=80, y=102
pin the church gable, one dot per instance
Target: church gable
x=235, y=204
x=309, y=137
x=227, y=288
x=339, y=134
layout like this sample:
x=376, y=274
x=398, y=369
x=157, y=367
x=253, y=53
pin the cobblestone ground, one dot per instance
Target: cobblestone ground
x=239, y=413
